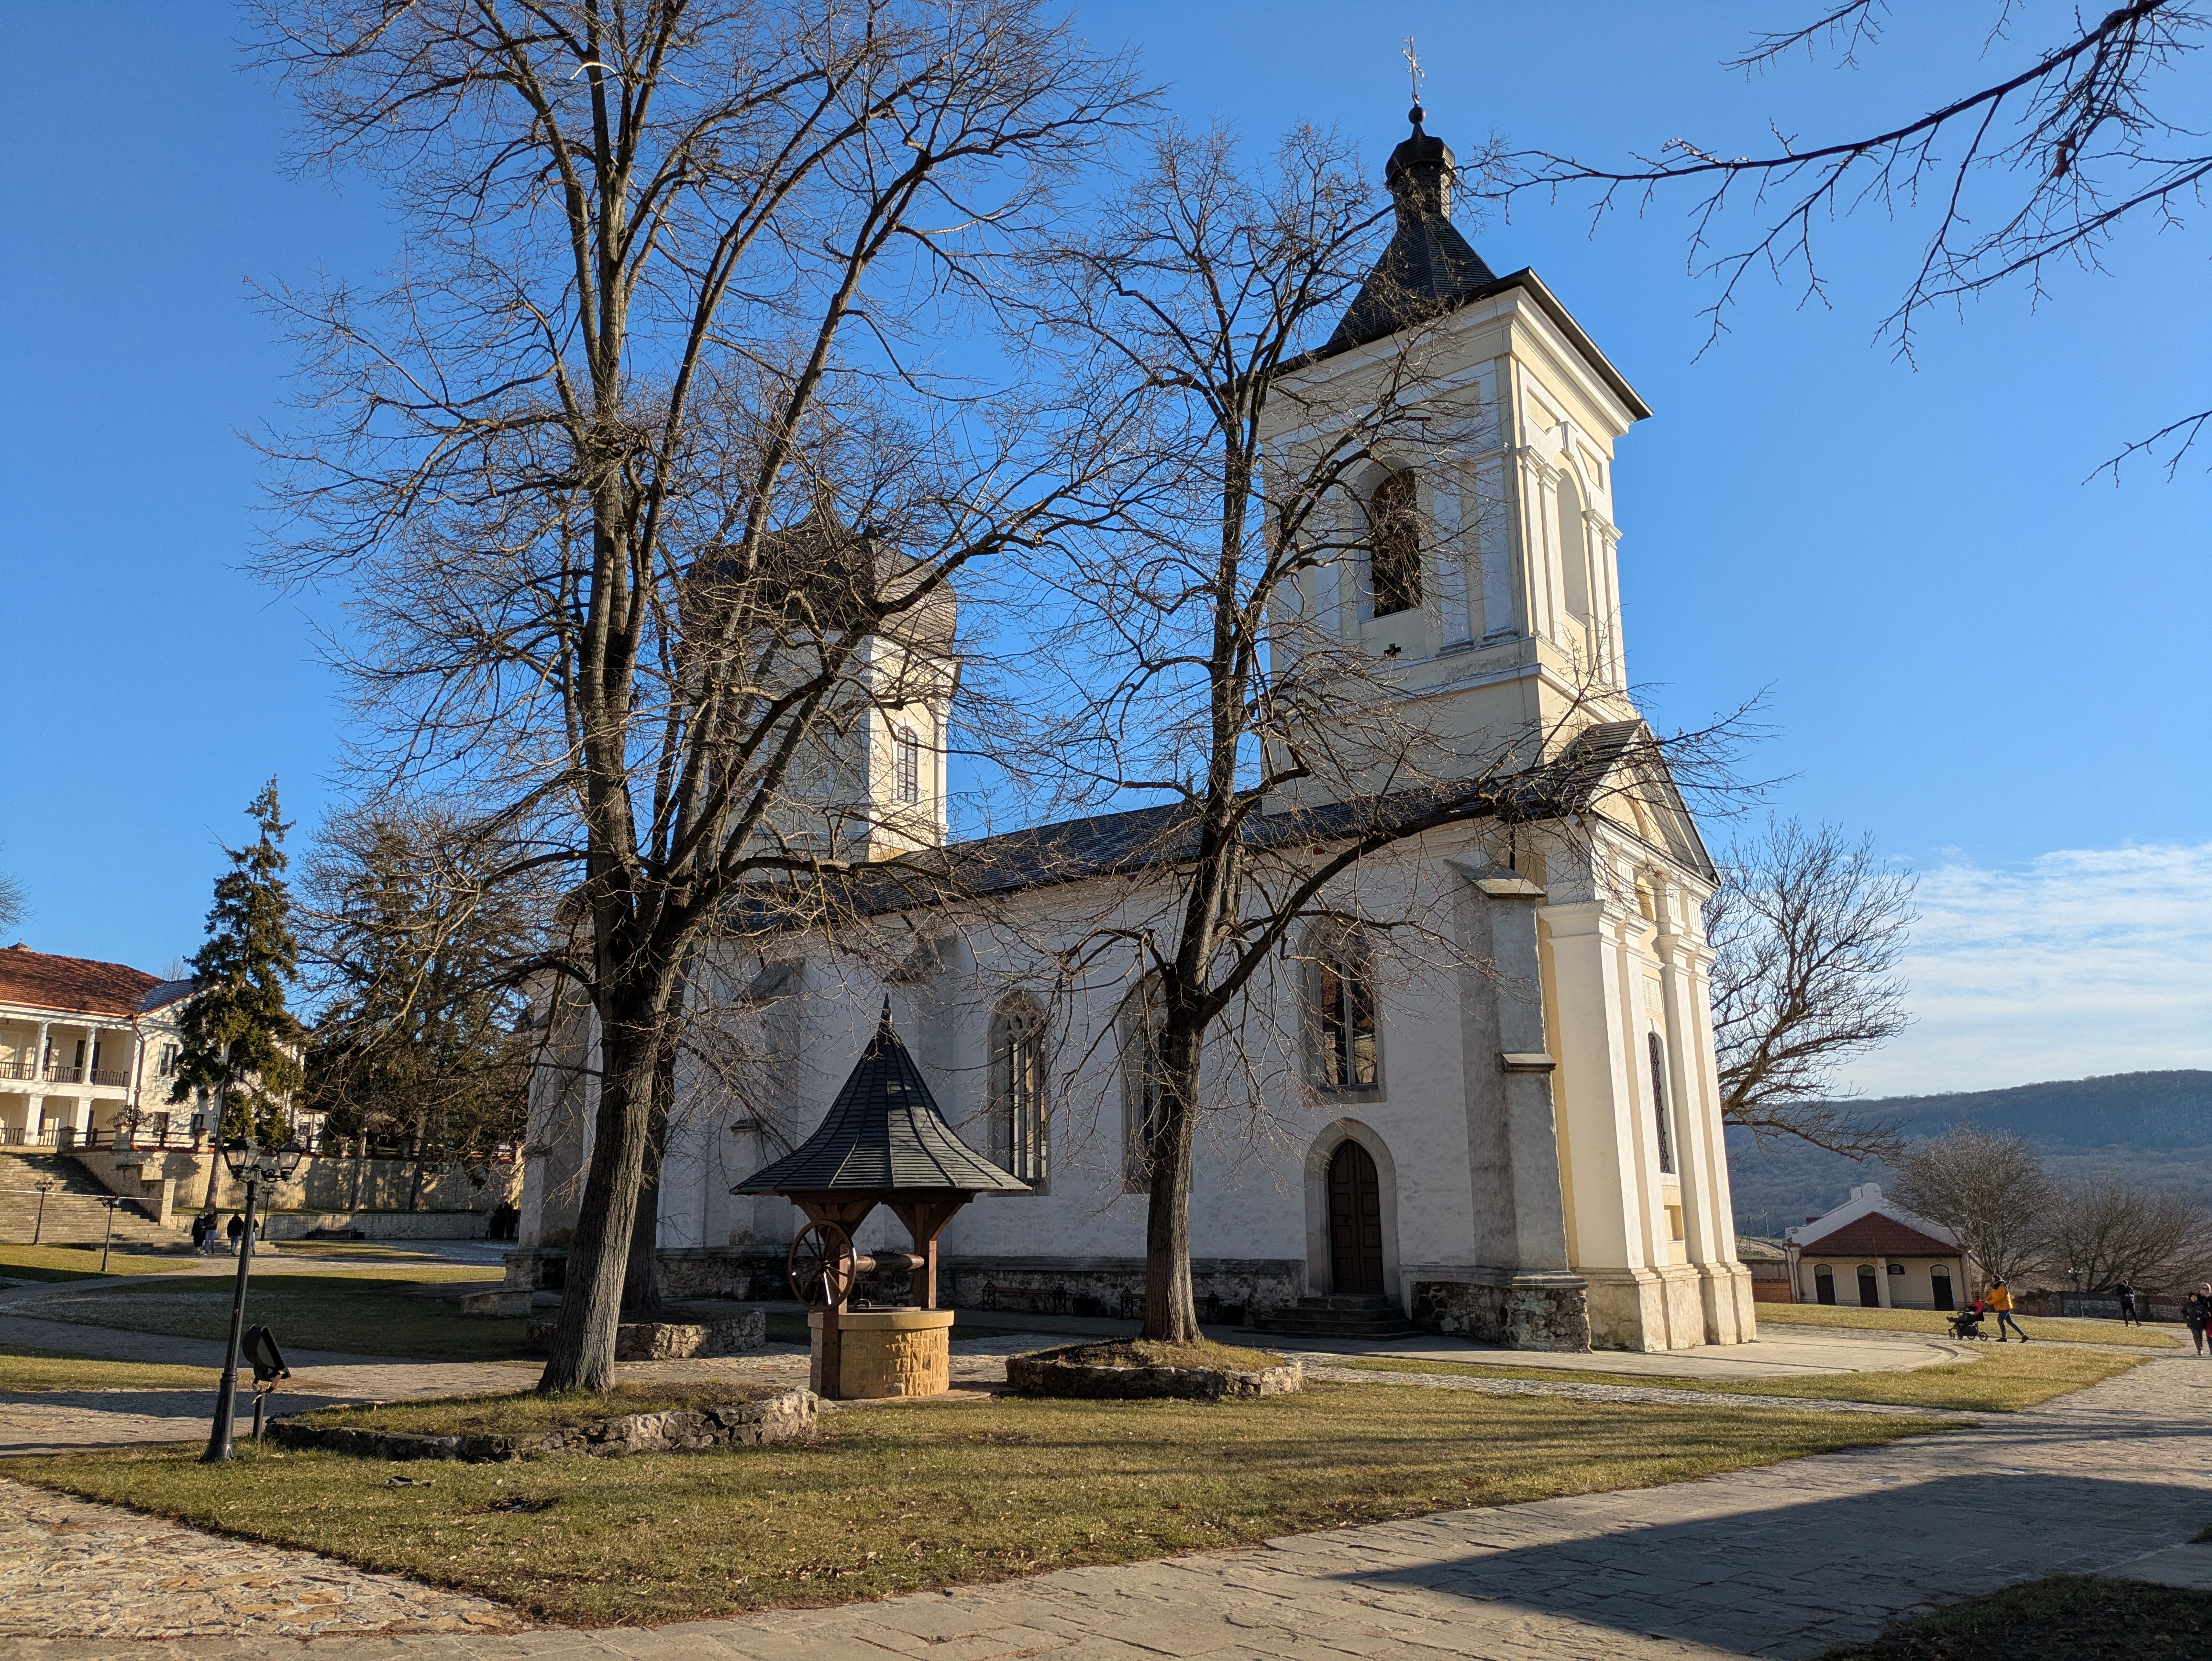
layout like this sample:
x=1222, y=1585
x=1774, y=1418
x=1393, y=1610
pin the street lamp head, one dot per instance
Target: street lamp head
x=286, y=1159
x=237, y=1156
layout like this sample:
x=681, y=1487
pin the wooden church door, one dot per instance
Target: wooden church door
x=1355, y=1222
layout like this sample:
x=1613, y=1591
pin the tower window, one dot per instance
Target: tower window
x=1659, y=1103
x=1394, y=545
x=906, y=764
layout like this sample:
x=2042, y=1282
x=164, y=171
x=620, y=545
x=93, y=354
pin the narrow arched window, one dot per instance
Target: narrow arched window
x=1659, y=1103
x=1394, y=544
x=1340, y=1013
x=1019, y=1114
x=1143, y=1019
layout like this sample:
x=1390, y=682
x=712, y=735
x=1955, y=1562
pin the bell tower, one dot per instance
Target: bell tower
x=1471, y=573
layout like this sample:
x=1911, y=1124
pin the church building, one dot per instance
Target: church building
x=1515, y=1134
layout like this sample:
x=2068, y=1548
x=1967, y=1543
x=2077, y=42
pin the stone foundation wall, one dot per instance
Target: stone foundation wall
x=687, y=1272
x=1229, y=1291
x=671, y=1340
x=1551, y=1315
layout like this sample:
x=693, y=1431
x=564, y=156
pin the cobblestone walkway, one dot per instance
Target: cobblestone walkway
x=67, y=1565
x=1784, y=1562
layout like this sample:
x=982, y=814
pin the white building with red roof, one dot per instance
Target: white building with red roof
x=1872, y=1252
x=85, y=1046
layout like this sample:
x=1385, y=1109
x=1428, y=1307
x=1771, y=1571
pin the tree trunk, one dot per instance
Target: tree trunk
x=415, y=1187
x=583, y=1356
x=1170, y=1307
x=641, y=1298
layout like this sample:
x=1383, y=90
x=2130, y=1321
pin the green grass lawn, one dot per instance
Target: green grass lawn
x=2052, y=1330
x=1998, y=1380
x=357, y=1312
x=2082, y=1618
x=895, y=1498
x=22, y=1369
x=76, y=1263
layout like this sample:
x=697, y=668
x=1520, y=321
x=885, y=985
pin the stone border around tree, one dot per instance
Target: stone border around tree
x=794, y=1416
x=1047, y=1374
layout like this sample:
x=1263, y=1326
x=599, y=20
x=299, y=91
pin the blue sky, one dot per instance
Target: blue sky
x=1995, y=666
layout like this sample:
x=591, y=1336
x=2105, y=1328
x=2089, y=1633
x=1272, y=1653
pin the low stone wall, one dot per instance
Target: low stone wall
x=1046, y=1374
x=794, y=1416
x=1523, y=1314
x=685, y=1272
x=378, y=1224
x=671, y=1340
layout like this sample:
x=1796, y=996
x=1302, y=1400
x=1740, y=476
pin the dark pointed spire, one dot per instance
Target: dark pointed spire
x=1428, y=265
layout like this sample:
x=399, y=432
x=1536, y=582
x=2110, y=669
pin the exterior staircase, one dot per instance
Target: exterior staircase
x=1343, y=1315
x=75, y=1209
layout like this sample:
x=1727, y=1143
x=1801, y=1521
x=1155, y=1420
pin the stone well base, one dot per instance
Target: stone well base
x=888, y=1352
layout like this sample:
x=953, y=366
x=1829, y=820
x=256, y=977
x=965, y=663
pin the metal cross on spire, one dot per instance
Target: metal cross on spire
x=1414, y=73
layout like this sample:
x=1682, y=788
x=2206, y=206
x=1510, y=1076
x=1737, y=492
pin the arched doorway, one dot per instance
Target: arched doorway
x=1869, y=1287
x=1939, y=1278
x=1355, y=1222
x=1823, y=1284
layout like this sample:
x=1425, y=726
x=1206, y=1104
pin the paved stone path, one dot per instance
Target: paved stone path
x=1784, y=1561
x=69, y=1565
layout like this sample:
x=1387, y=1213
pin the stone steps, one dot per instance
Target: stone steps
x=75, y=1209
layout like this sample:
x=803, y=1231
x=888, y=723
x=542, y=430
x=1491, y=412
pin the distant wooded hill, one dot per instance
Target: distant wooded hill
x=2149, y=1127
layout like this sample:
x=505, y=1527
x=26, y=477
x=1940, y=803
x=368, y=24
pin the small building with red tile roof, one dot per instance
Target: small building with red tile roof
x=84, y=1045
x=1870, y=1251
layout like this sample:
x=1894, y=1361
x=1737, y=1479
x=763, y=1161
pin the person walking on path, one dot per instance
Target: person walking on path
x=2126, y=1294
x=199, y=1234
x=208, y=1228
x=2001, y=1301
x=235, y=1232
x=2197, y=1313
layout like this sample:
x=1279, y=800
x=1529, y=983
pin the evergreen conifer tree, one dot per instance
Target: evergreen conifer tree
x=241, y=1043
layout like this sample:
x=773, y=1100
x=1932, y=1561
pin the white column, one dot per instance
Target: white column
x=1595, y=1105
x=1605, y=545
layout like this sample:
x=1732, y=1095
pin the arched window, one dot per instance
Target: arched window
x=1340, y=1012
x=1019, y=1132
x=1394, y=544
x=1143, y=1019
x=1659, y=1102
x=1574, y=551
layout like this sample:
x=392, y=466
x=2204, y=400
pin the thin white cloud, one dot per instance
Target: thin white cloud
x=2080, y=962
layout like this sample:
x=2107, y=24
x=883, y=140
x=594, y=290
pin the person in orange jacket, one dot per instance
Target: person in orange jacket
x=2001, y=1301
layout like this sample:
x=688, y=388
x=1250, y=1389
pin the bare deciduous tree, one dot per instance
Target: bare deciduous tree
x=2106, y=1230
x=1807, y=930
x=2039, y=166
x=1989, y=1190
x=14, y=902
x=630, y=464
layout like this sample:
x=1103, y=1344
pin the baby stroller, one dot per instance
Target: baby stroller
x=1967, y=1324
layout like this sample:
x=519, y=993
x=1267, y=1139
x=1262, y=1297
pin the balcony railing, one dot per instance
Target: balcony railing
x=107, y=1078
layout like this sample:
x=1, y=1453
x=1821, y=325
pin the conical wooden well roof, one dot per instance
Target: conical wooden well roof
x=884, y=1133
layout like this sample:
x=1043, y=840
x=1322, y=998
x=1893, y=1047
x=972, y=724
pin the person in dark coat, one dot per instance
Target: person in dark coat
x=199, y=1232
x=235, y=1232
x=2196, y=1314
x=2126, y=1294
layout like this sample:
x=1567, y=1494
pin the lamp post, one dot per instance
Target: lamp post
x=253, y=1166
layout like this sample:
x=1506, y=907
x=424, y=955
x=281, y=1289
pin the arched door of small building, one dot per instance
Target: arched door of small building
x=1355, y=1222
x=1939, y=1277
x=1823, y=1284
x=1869, y=1287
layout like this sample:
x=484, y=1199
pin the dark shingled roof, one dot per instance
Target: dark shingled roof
x=882, y=1132
x=1429, y=268
x=1428, y=263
